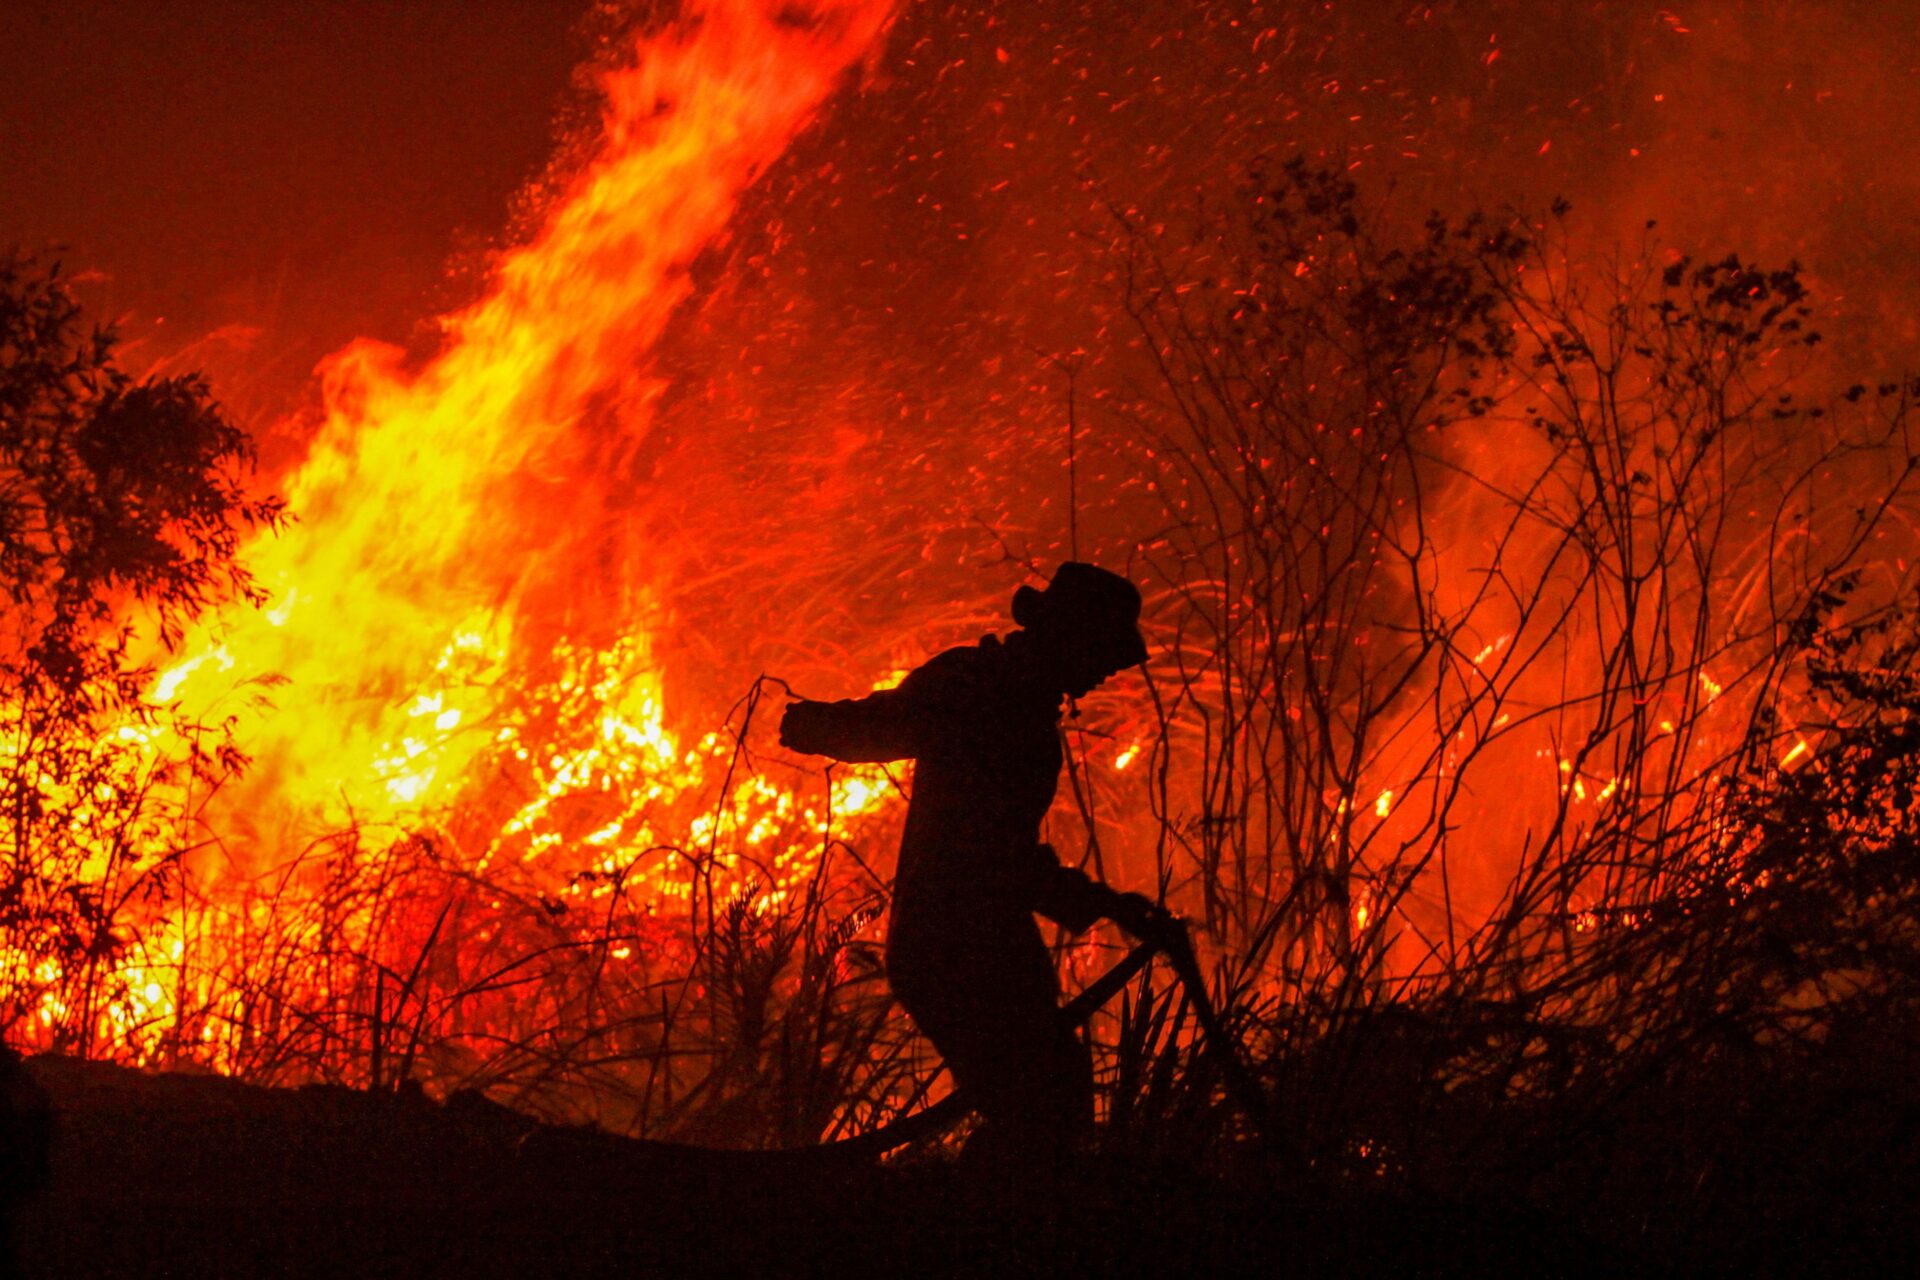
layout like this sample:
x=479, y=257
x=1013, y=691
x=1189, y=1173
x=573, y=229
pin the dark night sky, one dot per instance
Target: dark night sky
x=309, y=167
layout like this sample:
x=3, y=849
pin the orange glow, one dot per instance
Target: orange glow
x=442, y=509
x=462, y=644
x=430, y=501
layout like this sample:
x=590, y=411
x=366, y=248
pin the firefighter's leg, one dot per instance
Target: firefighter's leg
x=1035, y=1085
x=988, y=1001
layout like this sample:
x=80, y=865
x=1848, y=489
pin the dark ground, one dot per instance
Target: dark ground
x=186, y=1175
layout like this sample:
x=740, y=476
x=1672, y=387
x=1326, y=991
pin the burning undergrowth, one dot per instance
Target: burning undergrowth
x=480, y=676
x=1525, y=731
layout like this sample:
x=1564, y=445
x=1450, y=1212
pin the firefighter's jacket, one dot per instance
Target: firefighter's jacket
x=985, y=738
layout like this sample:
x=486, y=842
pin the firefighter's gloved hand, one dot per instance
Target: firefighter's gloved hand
x=1139, y=916
x=800, y=725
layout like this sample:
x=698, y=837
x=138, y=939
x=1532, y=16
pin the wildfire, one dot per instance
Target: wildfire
x=415, y=647
x=461, y=648
x=437, y=505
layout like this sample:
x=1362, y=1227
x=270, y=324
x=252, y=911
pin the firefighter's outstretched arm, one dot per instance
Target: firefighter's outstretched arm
x=891, y=724
x=879, y=727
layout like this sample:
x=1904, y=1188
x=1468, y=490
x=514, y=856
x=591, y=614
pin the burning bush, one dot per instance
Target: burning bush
x=119, y=501
x=1532, y=709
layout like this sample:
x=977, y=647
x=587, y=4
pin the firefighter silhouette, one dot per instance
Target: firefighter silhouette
x=964, y=955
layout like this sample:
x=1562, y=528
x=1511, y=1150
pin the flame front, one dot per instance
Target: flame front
x=444, y=513
x=433, y=502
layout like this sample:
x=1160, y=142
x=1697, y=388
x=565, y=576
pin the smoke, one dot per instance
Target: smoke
x=864, y=416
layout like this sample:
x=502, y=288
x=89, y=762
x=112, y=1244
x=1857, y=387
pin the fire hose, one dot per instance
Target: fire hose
x=1167, y=937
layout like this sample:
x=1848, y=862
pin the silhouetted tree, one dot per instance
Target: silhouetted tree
x=1495, y=584
x=122, y=505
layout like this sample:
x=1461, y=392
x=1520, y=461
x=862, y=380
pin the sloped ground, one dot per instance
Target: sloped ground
x=176, y=1175
x=198, y=1176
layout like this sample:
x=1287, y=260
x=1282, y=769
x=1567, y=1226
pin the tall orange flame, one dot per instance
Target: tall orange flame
x=431, y=501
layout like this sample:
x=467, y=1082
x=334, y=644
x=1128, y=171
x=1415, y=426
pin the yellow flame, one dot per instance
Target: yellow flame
x=444, y=508
x=432, y=500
